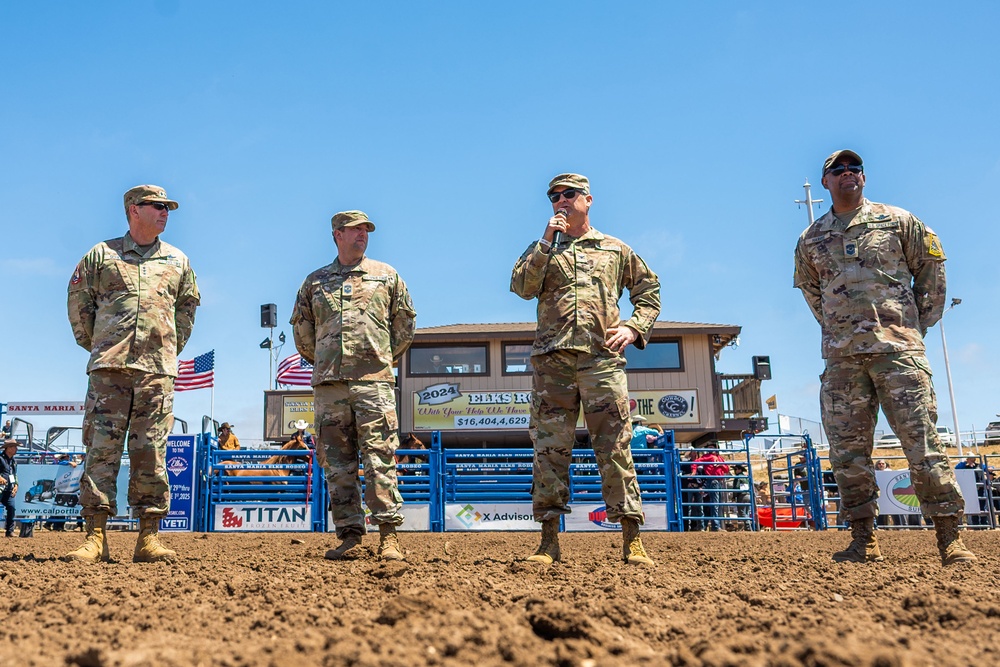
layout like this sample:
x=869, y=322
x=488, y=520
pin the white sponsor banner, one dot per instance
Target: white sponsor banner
x=416, y=518
x=273, y=517
x=46, y=408
x=594, y=516
x=49, y=490
x=896, y=494
x=489, y=516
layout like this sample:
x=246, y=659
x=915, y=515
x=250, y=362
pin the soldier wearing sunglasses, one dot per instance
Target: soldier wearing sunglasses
x=578, y=274
x=873, y=276
x=131, y=304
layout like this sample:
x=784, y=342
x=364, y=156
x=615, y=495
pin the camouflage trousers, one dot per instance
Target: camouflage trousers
x=139, y=406
x=852, y=389
x=353, y=418
x=562, y=381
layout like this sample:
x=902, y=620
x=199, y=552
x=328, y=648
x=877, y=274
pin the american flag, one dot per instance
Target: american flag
x=199, y=373
x=295, y=370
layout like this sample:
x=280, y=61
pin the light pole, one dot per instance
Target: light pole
x=947, y=372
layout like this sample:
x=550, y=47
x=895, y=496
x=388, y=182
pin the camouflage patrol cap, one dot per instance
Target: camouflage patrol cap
x=351, y=219
x=145, y=193
x=832, y=160
x=571, y=181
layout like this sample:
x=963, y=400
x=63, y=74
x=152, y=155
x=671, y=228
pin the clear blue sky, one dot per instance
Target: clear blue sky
x=697, y=124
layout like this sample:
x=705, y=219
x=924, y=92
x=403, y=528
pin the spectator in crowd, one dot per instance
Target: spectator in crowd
x=8, y=482
x=353, y=319
x=714, y=469
x=228, y=439
x=6, y=430
x=740, y=485
x=692, y=495
x=578, y=358
x=642, y=435
x=437, y=365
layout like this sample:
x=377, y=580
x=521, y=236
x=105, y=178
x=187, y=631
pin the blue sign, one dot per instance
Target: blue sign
x=180, y=471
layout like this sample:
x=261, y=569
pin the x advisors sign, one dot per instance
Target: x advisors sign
x=445, y=407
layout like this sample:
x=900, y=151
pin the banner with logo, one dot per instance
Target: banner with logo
x=293, y=408
x=263, y=517
x=594, y=517
x=46, y=408
x=444, y=407
x=416, y=518
x=51, y=490
x=896, y=494
x=666, y=407
x=180, y=473
x=489, y=516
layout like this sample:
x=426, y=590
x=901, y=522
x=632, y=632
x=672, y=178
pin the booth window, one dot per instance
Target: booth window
x=447, y=360
x=517, y=358
x=659, y=356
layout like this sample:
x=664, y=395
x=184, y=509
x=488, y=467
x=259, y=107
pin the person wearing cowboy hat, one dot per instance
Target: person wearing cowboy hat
x=228, y=439
x=300, y=430
x=642, y=435
x=8, y=482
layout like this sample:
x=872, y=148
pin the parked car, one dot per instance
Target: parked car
x=887, y=440
x=992, y=433
x=946, y=436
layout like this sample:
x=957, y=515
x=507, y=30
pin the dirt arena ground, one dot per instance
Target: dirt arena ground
x=470, y=599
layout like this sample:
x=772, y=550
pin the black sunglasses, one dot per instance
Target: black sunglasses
x=159, y=206
x=841, y=168
x=568, y=193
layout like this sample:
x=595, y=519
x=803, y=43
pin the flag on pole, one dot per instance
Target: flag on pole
x=772, y=403
x=198, y=373
x=295, y=370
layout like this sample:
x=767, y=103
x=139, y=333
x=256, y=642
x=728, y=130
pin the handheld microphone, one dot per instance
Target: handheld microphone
x=557, y=237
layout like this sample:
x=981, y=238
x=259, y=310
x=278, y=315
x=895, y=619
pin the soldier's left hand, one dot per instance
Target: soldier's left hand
x=618, y=338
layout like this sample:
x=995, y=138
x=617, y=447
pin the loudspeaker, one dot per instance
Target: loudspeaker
x=762, y=368
x=269, y=316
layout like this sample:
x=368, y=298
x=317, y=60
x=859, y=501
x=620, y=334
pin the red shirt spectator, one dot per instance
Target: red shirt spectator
x=713, y=468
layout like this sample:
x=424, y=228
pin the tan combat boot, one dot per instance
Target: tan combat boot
x=388, y=544
x=548, y=550
x=350, y=539
x=632, y=550
x=864, y=547
x=949, y=543
x=95, y=548
x=148, y=548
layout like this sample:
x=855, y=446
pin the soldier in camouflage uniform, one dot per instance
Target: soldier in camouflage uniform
x=578, y=274
x=352, y=320
x=131, y=304
x=873, y=276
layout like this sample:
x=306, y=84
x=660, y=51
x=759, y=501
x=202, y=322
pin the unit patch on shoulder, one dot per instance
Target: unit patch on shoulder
x=933, y=244
x=76, y=279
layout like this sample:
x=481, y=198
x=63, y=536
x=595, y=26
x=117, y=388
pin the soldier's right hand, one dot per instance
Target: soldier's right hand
x=557, y=223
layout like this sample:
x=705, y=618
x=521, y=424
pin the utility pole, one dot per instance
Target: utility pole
x=809, y=201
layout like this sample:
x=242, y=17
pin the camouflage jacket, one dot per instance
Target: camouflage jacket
x=876, y=285
x=132, y=310
x=352, y=322
x=578, y=284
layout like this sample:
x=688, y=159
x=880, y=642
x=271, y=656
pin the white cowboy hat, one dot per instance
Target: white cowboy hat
x=301, y=424
x=638, y=418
